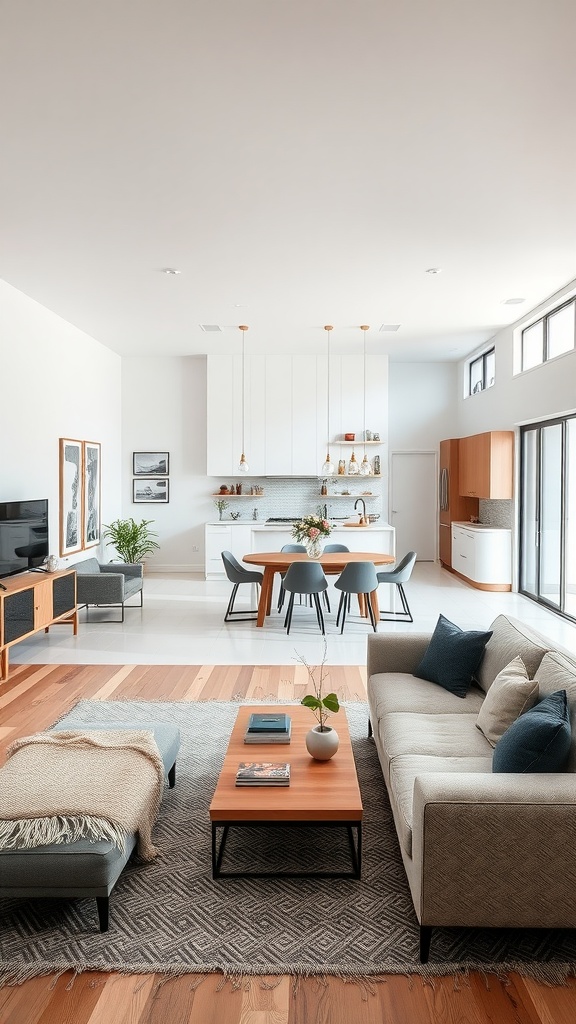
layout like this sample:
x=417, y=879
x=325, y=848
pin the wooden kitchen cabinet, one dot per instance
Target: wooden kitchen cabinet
x=486, y=465
x=32, y=602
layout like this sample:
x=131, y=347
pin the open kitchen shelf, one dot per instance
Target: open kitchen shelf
x=355, y=495
x=230, y=495
x=359, y=444
x=350, y=476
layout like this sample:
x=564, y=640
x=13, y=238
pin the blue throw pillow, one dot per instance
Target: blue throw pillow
x=538, y=741
x=452, y=656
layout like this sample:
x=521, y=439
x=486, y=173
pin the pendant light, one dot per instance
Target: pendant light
x=243, y=466
x=328, y=467
x=365, y=468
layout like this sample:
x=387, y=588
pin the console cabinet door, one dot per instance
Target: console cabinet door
x=18, y=615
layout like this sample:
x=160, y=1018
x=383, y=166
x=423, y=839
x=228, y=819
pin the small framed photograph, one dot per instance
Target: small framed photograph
x=150, y=463
x=150, y=491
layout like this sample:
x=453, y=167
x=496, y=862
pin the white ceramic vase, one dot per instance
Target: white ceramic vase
x=322, y=745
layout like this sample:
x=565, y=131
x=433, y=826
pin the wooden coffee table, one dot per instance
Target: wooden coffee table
x=324, y=793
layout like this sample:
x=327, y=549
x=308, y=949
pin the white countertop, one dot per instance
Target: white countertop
x=256, y=524
x=482, y=526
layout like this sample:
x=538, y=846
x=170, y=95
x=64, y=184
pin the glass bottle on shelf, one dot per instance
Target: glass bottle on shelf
x=376, y=465
x=342, y=467
x=353, y=465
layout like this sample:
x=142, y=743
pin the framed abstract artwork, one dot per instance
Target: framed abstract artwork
x=92, y=494
x=71, y=496
x=150, y=463
x=150, y=491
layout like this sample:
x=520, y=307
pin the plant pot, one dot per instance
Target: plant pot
x=322, y=744
x=314, y=547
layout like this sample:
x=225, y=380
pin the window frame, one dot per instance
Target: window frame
x=482, y=358
x=544, y=320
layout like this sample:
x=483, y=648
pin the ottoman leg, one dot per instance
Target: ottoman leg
x=103, y=905
x=172, y=776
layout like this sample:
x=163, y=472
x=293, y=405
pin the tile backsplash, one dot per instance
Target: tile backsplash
x=496, y=512
x=299, y=496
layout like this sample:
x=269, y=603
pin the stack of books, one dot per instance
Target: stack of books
x=253, y=773
x=268, y=727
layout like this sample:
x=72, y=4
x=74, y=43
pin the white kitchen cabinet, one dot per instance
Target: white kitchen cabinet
x=220, y=537
x=483, y=555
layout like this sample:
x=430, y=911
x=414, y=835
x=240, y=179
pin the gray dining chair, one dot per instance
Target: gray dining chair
x=356, y=578
x=335, y=547
x=305, y=578
x=400, y=575
x=237, y=574
x=295, y=549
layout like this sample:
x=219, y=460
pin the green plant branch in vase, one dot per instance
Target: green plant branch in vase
x=221, y=505
x=132, y=540
x=322, y=741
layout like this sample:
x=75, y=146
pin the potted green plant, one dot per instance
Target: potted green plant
x=132, y=540
x=322, y=740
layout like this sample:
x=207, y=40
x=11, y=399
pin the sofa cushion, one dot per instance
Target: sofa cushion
x=509, y=638
x=452, y=656
x=539, y=741
x=400, y=691
x=403, y=772
x=434, y=735
x=511, y=693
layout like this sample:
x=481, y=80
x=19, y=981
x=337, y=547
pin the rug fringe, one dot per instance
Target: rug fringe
x=551, y=974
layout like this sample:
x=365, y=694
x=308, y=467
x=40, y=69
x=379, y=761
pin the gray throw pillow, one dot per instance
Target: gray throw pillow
x=511, y=693
x=452, y=656
x=538, y=741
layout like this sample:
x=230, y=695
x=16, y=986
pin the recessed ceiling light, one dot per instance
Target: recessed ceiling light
x=389, y=327
x=513, y=302
x=434, y=270
x=209, y=327
x=171, y=270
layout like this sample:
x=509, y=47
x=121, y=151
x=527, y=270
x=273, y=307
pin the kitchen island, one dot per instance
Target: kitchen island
x=250, y=538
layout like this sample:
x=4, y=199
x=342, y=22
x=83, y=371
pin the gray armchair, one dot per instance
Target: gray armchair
x=110, y=583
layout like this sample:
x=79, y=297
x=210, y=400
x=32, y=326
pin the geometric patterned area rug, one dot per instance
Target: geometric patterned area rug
x=169, y=916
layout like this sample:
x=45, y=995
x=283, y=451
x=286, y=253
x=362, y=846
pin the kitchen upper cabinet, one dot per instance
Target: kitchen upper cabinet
x=486, y=463
x=286, y=411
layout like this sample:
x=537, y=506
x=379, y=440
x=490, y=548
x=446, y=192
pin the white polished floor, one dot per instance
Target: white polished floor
x=182, y=623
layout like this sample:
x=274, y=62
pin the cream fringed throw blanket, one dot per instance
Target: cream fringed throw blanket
x=63, y=786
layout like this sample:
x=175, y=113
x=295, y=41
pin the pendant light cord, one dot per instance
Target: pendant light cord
x=364, y=328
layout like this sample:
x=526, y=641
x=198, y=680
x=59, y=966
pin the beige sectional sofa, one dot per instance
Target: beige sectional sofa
x=479, y=849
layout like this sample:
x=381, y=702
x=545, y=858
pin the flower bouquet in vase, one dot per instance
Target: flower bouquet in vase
x=310, y=531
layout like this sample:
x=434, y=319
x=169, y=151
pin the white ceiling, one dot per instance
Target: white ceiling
x=301, y=162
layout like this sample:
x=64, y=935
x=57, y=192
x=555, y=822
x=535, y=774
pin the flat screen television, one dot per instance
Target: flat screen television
x=23, y=535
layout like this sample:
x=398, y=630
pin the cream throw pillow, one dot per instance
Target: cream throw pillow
x=511, y=693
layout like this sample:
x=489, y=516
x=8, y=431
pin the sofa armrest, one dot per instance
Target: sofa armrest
x=395, y=652
x=135, y=569
x=495, y=850
x=99, y=588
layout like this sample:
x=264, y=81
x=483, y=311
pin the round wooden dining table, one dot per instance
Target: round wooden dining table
x=333, y=562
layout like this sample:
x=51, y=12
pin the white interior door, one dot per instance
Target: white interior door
x=413, y=503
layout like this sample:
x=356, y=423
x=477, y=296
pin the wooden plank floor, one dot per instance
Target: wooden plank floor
x=35, y=696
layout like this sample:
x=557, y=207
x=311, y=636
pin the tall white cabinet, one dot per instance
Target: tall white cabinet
x=286, y=411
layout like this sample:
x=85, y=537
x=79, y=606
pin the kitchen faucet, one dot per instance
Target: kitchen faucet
x=363, y=520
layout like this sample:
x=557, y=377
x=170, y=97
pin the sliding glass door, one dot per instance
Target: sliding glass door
x=548, y=514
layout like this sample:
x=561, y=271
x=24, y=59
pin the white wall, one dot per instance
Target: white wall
x=422, y=406
x=56, y=382
x=164, y=409
x=539, y=393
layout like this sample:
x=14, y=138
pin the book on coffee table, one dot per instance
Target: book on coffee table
x=262, y=773
x=268, y=728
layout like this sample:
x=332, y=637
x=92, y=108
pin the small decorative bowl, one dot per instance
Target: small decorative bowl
x=349, y=437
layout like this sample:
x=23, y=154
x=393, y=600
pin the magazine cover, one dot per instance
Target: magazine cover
x=265, y=771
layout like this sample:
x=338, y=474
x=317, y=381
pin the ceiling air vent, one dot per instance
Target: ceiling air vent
x=210, y=327
x=389, y=327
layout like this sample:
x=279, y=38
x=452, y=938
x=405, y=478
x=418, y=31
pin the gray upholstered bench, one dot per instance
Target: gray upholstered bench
x=107, y=583
x=81, y=869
